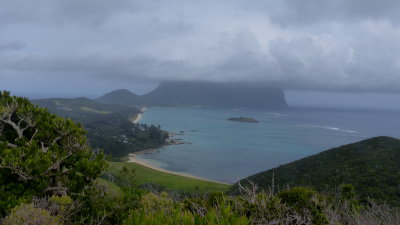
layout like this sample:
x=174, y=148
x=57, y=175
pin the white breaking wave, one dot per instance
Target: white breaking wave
x=275, y=114
x=336, y=129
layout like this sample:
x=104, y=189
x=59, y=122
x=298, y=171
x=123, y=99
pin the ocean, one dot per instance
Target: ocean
x=228, y=151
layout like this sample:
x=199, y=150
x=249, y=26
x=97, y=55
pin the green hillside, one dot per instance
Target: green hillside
x=109, y=126
x=372, y=166
x=84, y=108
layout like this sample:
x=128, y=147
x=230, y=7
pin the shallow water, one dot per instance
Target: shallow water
x=228, y=151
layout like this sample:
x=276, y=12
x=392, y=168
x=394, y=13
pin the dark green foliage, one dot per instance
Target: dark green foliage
x=109, y=126
x=100, y=207
x=97, y=205
x=303, y=201
x=297, y=197
x=371, y=166
x=41, y=153
x=121, y=137
x=348, y=192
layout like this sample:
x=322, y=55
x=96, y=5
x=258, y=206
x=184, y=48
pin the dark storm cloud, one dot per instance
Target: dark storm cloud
x=325, y=45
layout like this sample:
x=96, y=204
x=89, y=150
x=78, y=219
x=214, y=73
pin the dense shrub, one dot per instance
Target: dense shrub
x=305, y=202
x=100, y=207
x=41, y=154
x=27, y=214
x=177, y=216
x=295, y=206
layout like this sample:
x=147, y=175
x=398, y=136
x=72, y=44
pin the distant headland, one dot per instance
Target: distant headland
x=205, y=94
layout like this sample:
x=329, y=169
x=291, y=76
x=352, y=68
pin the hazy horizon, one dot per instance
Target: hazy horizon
x=311, y=99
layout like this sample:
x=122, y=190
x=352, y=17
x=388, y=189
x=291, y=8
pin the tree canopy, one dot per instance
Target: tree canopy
x=41, y=153
x=109, y=126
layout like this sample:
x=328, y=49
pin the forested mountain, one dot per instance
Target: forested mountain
x=109, y=126
x=222, y=95
x=120, y=97
x=372, y=166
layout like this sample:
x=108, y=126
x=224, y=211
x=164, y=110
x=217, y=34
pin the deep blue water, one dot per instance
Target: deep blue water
x=228, y=151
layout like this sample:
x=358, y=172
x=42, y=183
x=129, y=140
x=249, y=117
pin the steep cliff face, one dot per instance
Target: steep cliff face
x=223, y=95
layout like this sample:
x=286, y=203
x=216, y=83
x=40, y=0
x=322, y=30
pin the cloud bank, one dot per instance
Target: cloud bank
x=331, y=45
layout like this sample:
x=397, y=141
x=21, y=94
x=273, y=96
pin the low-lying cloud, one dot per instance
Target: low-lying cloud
x=298, y=45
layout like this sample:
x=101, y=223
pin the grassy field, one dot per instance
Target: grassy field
x=169, y=181
x=87, y=109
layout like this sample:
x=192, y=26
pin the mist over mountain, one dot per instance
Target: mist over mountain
x=207, y=94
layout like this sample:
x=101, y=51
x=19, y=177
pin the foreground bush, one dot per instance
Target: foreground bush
x=99, y=207
x=27, y=214
x=161, y=209
x=41, y=154
x=295, y=206
x=180, y=217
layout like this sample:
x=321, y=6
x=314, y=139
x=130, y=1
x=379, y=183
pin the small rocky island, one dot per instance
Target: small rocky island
x=243, y=119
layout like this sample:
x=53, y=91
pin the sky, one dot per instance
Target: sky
x=89, y=47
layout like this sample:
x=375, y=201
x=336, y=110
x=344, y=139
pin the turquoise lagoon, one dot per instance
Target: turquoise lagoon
x=228, y=151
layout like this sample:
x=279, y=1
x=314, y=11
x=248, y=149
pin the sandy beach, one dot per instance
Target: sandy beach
x=133, y=158
x=138, y=116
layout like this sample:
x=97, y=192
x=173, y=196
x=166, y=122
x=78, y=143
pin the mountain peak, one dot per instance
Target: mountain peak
x=120, y=91
x=120, y=97
x=194, y=93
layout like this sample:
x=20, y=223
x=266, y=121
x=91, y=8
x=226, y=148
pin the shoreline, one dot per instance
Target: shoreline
x=136, y=118
x=133, y=159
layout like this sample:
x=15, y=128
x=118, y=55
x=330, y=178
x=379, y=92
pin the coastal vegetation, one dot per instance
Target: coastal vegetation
x=296, y=206
x=109, y=127
x=41, y=154
x=371, y=166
